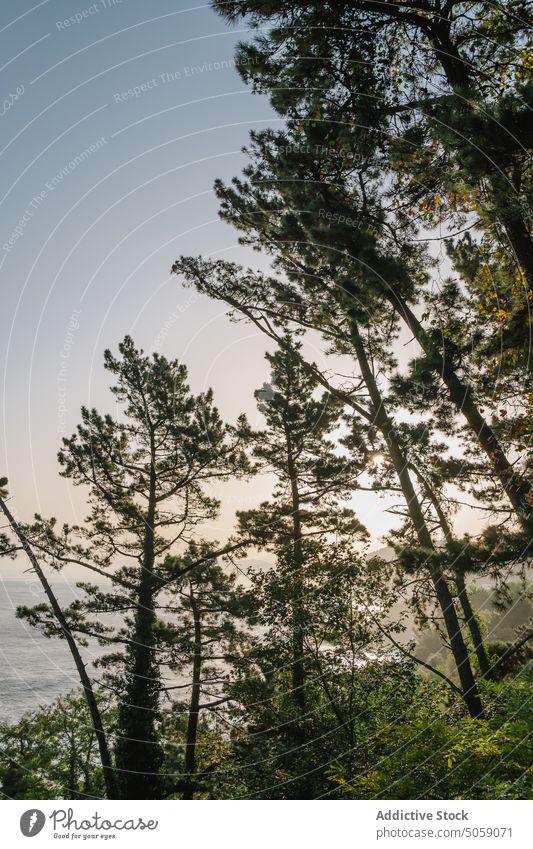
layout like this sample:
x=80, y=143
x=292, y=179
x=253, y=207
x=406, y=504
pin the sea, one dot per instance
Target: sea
x=34, y=669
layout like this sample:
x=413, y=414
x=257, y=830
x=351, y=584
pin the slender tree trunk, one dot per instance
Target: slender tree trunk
x=472, y=622
x=194, y=706
x=456, y=70
x=440, y=585
x=298, y=663
x=469, y=615
x=139, y=753
x=513, y=224
x=461, y=395
x=72, y=775
x=96, y=718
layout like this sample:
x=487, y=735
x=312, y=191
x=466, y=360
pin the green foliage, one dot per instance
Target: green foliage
x=401, y=740
x=442, y=756
x=52, y=753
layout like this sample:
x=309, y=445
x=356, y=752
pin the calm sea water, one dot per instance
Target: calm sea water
x=33, y=669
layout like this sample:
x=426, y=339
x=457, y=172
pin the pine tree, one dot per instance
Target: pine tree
x=311, y=480
x=206, y=635
x=146, y=471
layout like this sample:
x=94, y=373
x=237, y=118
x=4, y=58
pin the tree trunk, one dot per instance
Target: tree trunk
x=105, y=757
x=471, y=620
x=139, y=753
x=513, y=224
x=440, y=585
x=461, y=395
x=298, y=665
x=194, y=706
x=469, y=616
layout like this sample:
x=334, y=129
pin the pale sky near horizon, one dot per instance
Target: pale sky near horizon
x=151, y=92
x=117, y=117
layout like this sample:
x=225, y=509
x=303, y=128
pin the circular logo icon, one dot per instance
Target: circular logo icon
x=32, y=822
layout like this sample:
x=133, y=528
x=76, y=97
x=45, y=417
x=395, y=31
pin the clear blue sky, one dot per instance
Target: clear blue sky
x=120, y=117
